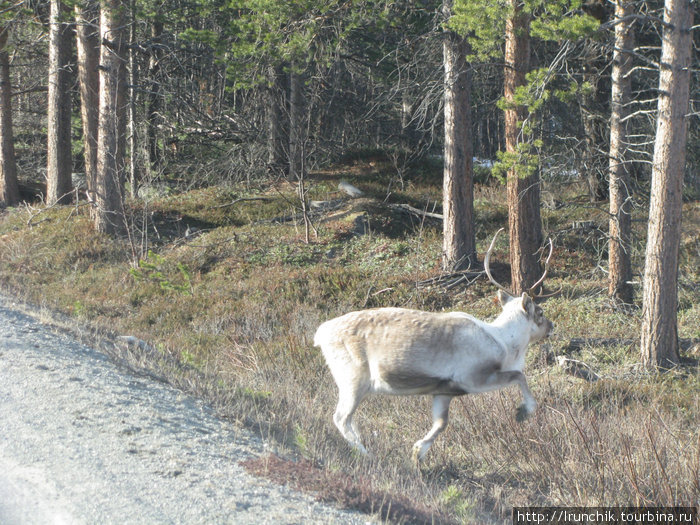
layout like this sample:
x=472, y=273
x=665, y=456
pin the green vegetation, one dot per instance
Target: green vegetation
x=230, y=311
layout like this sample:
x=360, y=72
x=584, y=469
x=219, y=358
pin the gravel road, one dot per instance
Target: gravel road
x=84, y=441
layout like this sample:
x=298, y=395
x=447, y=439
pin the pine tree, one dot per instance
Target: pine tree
x=619, y=261
x=9, y=189
x=59, y=166
x=491, y=25
x=109, y=187
x=459, y=245
x=88, y=46
x=659, y=341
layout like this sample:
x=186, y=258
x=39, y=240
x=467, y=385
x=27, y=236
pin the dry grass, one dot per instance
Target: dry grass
x=230, y=314
x=343, y=490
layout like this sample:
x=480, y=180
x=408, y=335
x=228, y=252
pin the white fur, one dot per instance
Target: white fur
x=403, y=352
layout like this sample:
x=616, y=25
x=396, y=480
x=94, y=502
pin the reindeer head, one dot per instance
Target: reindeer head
x=541, y=327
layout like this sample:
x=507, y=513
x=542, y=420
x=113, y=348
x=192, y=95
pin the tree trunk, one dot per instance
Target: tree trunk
x=458, y=246
x=134, y=175
x=9, y=189
x=525, y=228
x=112, y=122
x=154, y=98
x=88, y=45
x=593, y=108
x=619, y=287
x=592, y=116
x=59, y=163
x=296, y=125
x=659, y=341
x=276, y=134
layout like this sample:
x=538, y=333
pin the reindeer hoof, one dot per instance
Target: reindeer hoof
x=419, y=451
x=522, y=413
x=359, y=450
x=415, y=456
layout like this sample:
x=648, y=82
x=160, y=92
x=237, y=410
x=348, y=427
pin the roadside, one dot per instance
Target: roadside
x=84, y=441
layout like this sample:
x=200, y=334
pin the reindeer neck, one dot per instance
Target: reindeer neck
x=513, y=330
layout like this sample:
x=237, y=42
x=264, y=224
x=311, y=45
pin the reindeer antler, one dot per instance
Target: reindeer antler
x=487, y=260
x=531, y=290
x=546, y=268
x=541, y=279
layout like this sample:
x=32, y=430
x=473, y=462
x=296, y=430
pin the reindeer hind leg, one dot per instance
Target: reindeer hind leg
x=348, y=400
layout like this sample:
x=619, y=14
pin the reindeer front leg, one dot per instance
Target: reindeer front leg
x=497, y=380
x=441, y=408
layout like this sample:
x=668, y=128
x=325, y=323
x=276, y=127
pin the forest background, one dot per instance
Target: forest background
x=201, y=212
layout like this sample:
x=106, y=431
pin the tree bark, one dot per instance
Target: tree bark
x=112, y=119
x=619, y=263
x=659, y=340
x=9, y=189
x=59, y=162
x=134, y=174
x=459, y=245
x=154, y=97
x=88, y=46
x=525, y=228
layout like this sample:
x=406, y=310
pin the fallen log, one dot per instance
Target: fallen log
x=407, y=208
x=579, y=343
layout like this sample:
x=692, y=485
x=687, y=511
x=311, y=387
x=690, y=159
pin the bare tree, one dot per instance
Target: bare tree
x=88, y=46
x=59, y=162
x=619, y=287
x=9, y=189
x=659, y=341
x=458, y=245
x=525, y=227
x=109, y=217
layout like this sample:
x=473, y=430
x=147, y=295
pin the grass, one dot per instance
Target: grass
x=230, y=314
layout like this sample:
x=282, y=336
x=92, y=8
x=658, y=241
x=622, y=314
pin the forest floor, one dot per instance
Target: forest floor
x=225, y=289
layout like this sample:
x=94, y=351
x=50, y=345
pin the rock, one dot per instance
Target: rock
x=351, y=190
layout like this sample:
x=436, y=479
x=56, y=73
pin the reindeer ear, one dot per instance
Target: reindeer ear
x=528, y=304
x=504, y=297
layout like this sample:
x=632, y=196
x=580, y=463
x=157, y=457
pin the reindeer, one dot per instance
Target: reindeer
x=398, y=351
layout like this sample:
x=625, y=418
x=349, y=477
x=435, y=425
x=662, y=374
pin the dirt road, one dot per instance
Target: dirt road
x=85, y=442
